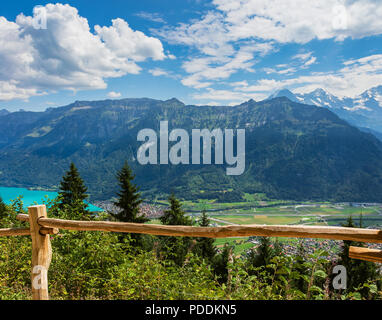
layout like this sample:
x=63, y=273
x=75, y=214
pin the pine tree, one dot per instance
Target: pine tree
x=263, y=254
x=175, y=248
x=361, y=220
x=175, y=216
x=129, y=198
x=205, y=246
x=277, y=248
x=72, y=192
x=128, y=206
x=358, y=271
x=220, y=263
x=299, y=265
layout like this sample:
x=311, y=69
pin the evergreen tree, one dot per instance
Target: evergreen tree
x=175, y=216
x=128, y=207
x=358, y=271
x=175, y=248
x=220, y=264
x=73, y=192
x=300, y=268
x=263, y=254
x=129, y=198
x=205, y=246
x=277, y=248
x=361, y=220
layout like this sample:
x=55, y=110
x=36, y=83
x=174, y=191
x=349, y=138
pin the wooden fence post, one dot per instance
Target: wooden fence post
x=41, y=254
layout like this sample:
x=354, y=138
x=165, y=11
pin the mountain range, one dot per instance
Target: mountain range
x=293, y=150
x=3, y=112
x=363, y=111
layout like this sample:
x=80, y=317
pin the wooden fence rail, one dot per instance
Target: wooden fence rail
x=40, y=227
x=372, y=255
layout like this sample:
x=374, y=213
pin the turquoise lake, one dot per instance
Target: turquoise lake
x=32, y=197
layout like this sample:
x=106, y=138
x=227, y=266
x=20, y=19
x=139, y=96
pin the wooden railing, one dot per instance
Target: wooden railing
x=40, y=227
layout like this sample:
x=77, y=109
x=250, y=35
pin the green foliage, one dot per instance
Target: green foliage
x=175, y=216
x=220, y=264
x=128, y=206
x=175, y=248
x=277, y=247
x=300, y=269
x=263, y=255
x=98, y=265
x=129, y=199
x=205, y=246
x=3, y=210
x=358, y=271
x=73, y=191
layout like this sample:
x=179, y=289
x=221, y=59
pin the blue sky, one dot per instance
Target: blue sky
x=216, y=52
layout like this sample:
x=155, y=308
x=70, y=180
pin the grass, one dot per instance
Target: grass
x=240, y=244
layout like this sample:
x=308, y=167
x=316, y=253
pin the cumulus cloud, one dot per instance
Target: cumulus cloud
x=299, y=20
x=125, y=42
x=114, y=95
x=68, y=55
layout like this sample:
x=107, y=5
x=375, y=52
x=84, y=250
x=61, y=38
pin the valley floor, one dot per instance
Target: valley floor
x=284, y=212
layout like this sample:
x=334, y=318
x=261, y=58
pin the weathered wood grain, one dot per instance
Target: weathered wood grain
x=8, y=232
x=41, y=254
x=297, y=231
x=25, y=218
x=366, y=254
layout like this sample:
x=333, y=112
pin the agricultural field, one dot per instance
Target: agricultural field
x=257, y=219
x=273, y=212
x=254, y=209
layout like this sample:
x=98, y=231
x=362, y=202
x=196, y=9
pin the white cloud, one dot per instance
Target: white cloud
x=311, y=61
x=302, y=56
x=9, y=90
x=299, y=20
x=299, y=62
x=261, y=25
x=354, y=78
x=67, y=55
x=158, y=72
x=243, y=83
x=114, y=95
x=306, y=59
x=155, y=17
x=203, y=70
x=228, y=95
x=125, y=42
